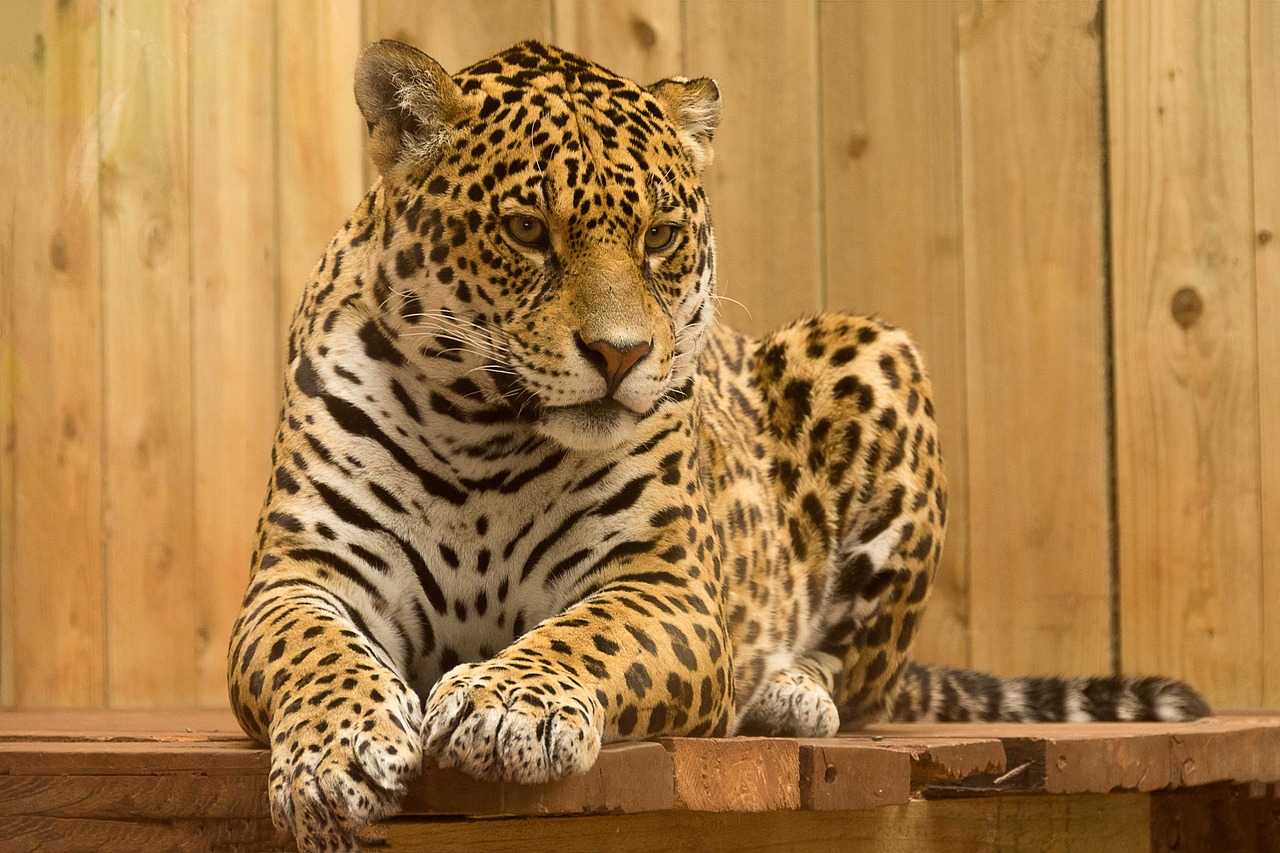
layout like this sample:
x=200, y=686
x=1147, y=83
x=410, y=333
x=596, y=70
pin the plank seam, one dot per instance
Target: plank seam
x=820, y=161
x=1263, y=264
x=195, y=523
x=105, y=431
x=277, y=282
x=1259, y=504
x=962, y=417
x=1109, y=347
x=684, y=38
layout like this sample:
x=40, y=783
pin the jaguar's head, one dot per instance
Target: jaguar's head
x=547, y=230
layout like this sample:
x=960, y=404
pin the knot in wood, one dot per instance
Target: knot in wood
x=644, y=32
x=58, y=252
x=858, y=142
x=1187, y=306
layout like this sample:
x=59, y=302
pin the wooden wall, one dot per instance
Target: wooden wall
x=1072, y=206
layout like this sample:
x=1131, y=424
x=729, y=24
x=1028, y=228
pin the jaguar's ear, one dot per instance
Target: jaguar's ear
x=693, y=106
x=409, y=104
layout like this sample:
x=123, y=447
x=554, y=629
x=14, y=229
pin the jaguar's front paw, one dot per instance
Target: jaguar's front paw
x=496, y=722
x=336, y=769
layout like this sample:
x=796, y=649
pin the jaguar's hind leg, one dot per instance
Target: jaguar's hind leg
x=795, y=702
x=868, y=509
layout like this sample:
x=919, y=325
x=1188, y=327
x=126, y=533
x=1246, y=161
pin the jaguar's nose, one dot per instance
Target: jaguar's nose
x=612, y=360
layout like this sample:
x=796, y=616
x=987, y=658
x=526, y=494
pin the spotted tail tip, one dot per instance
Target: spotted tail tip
x=1175, y=701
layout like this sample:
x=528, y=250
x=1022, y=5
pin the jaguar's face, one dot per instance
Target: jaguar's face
x=563, y=239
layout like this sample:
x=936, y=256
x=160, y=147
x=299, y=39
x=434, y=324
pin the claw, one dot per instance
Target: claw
x=441, y=723
x=481, y=720
x=327, y=786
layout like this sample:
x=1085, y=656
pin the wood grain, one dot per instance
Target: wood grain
x=51, y=526
x=457, y=33
x=64, y=724
x=892, y=225
x=1215, y=818
x=150, y=558
x=233, y=266
x=1031, y=145
x=735, y=774
x=763, y=184
x=128, y=759
x=627, y=777
x=842, y=776
x=319, y=156
x=102, y=781
x=1264, y=82
x=1186, y=346
x=69, y=835
x=143, y=797
x=16, y=37
x=936, y=760
x=1075, y=758
x=639, y=39
x=1082, y=824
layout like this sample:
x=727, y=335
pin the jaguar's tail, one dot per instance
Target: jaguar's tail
x=938, y=694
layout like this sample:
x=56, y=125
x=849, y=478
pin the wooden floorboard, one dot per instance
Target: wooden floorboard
x=192, y=781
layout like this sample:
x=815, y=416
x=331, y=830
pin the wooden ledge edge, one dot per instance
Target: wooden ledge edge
x=627, y=778
x=885, y=765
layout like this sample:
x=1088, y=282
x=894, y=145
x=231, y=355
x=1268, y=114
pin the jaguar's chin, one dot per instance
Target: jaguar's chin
x=596, y=426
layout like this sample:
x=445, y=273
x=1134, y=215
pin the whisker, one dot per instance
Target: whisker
x=391, y=291
x=717, y=298
x=475, y=334
x=494, y=369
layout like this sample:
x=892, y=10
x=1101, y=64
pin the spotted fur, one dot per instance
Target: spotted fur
x=529, y=498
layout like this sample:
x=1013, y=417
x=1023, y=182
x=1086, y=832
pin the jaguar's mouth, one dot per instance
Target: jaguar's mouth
x=599, y=424
x=602, y=409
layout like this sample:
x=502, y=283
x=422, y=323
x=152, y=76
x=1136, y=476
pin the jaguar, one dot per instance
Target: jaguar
x=528, y=496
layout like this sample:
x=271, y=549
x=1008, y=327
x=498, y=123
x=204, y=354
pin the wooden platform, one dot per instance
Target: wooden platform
x=101, y=781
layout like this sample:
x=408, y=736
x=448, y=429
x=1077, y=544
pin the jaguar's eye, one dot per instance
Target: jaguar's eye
x=659, y=237
x=526, y=230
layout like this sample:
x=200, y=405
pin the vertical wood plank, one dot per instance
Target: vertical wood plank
x=14, y=37
x=51, y=582
x=1031, y=143
x=1186, y=351
x=764, y=183
x=1264, y=77
x=457, y=33
x=891, y=216
x=320, y=138
x=151, y=569
x=639, y=39
x=234, y=323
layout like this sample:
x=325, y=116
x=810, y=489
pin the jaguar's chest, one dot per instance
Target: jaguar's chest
x=509, y=557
